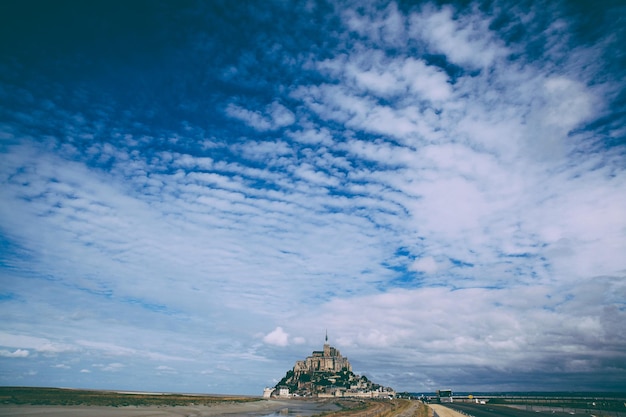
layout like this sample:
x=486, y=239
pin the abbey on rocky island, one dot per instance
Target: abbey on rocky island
x=326, y=374
x=329, y=360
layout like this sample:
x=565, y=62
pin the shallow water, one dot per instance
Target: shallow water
x=300, y=408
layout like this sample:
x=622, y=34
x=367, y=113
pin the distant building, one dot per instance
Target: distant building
x=267, y=392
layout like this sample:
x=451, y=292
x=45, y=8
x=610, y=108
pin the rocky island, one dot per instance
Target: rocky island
x=326, y=374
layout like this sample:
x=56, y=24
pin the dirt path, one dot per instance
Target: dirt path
x=410, y=411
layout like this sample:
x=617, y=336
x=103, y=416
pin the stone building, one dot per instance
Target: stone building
x=327, y=360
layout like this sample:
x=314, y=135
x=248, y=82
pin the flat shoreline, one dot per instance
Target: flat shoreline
x=253, y=408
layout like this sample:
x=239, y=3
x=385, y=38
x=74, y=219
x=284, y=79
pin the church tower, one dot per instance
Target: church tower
x=326, y=345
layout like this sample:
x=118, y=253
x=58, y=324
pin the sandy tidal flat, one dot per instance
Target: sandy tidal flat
x=248, y=409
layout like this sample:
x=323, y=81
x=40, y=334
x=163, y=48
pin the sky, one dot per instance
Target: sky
x=192, y=193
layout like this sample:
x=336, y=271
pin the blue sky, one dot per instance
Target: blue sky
x=193, y=192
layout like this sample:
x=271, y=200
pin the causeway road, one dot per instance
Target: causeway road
x=491, y=410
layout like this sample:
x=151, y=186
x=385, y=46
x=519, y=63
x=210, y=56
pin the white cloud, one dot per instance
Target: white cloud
x=465, y=39
x=281, y=115
x=277, y=337
x=298, y=340
x=385, y=27
x=568, y=103
x=308, y=173
x=274, y=116
x=385, y=76
x=18, y=353
x=111, y=367
x=109, y=348
x=312, y=136
x=502, y=324
x=427, y=265
x=264, y=151
x=166, y=370
x=252, y=118
x=42, y=345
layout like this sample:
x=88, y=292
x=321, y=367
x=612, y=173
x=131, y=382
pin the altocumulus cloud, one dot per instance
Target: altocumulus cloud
x=202, y=191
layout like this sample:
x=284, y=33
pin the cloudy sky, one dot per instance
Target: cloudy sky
x=192, y=193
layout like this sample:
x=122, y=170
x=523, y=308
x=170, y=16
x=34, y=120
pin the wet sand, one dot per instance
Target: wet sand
x=288, y=408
